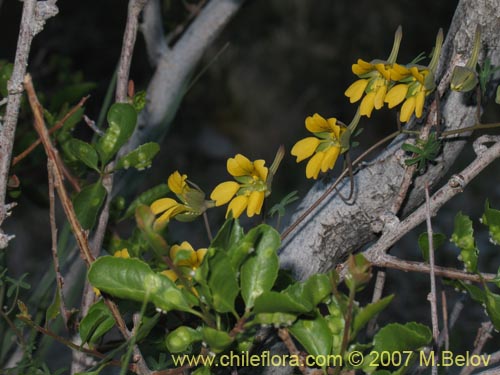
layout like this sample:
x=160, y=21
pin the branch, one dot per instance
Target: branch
x=152, y=29
x=336, y=229
x=32, y=21
x=395, y=230
x=174, y=68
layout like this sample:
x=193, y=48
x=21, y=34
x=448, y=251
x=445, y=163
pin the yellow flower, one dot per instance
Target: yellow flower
x=185, y=257
x=325, y=145
x=413, y=89
x=374, y=82
x=249, y=189
x=123, y=253
x=192, y=201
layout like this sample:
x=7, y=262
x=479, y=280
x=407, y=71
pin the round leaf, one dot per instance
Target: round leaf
x=83, y=152
x=140, y=158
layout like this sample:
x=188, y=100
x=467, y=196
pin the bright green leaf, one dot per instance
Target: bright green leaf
x=140, y=158
x=222, y=282
x=96, y=323
x=274, y=302
x=491, y=218
x=275, y=318
x=181, y=338
x=463, y=238
x=55, y=307
x=88, y=202
x=438, y=240
x=122, y=118
x=216, y=340
x=398, y=337
x=366, y=313
x=83, y=152
x=313, y=335
x=260, y=270
x=493, y=308
x=132, y=279
x=228, y=236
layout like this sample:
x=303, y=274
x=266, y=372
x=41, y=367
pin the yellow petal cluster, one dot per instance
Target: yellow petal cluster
x=325, y=147
x=249, y=189
x=184, y=256
x=190, y=203
x=382, y=83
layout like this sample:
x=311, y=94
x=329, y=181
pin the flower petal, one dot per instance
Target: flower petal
x=356, y=90
x=123, y=253
x=188, y=258
x=239, y=166
x=305, y=148
x=362, y=67
x=260, y=170
x=170, y=274
x=317, y=124
x=331, y=156
x=419, y=103
x=367, y=104
x=177, y=182
x=399, y=72
x=314, y=165
x=396, y=95
x=237, y=206
x=386, y=73
x=200, y=254
x=224, y=192
x=169, y=214
x=255, y=202
x=379, y=97
x=407, y=109
x=162, y=204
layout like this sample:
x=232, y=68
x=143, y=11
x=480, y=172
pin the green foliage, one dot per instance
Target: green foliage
x=140, y=158
x=5, y=73
x=146, y=198
x=491, y=218
x=438, y=239
x=425, y=152
x=84, y=152
x=88, y=202
x=122, y=119
x=463, y=238
x=399, y=337
x=96, y=323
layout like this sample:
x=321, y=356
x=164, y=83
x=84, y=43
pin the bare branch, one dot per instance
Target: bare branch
x=154, y=35
x=33, y=18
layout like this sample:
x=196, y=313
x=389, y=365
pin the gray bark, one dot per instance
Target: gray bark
x=336, y=229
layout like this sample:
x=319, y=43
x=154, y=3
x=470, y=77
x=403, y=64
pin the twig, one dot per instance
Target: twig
x=483, y=335
x=32, y=22
x=59, y=124
x=129, y=36
x=432, y=296
x=376, y=253
x=444, y=333
x=53, y=157
x=292, y=349
x=53, y=232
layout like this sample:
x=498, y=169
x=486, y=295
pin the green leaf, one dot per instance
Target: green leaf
x=493, y=307
x=316, y=289
x=181, y=338
x=274, y=302
x=132, y=279
x=55, y=307
x=64, y=134
x=96, y=323
x=463, y=238
x=83, y=152
x=139, y=100
x=216, y=340
x=477, y=294
x=140, y=158
x=87, y=204
x=122, y=118
x=147, y=324
x=313, y=335
x=438, y=240
x=280, y=207
x=398, y=337
x=260, y=270
x=491, y=218
x=228, y=236
x=146, y=198
x=222, y=282
x=366, y=313
x=275, y=318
